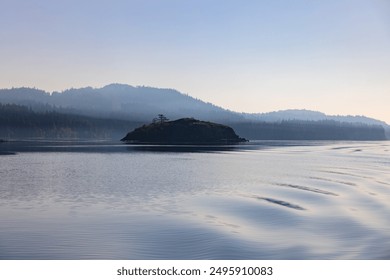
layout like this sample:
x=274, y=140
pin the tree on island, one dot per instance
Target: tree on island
x=160, y=119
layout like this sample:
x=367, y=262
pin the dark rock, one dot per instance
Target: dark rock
x=184, y=131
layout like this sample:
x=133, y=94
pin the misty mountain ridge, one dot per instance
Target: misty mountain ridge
x=309, y=115
x=118, y=101
x=141, y=103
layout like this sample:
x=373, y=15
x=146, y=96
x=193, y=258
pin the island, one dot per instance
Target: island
x=182, y=132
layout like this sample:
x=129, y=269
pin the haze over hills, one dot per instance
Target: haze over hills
x=308, y=115
x=120, y=102
x=142, y=104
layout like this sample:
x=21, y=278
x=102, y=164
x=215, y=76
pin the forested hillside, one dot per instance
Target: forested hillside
x=21, y=122
x=309, y=130
x=113, y=110
x=118, y=101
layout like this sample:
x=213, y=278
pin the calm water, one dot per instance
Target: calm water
x=263, y=200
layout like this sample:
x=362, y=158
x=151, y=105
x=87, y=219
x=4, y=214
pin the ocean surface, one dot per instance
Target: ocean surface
x=259, y=200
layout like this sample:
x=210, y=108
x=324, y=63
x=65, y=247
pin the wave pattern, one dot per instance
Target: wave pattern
x=257, y=201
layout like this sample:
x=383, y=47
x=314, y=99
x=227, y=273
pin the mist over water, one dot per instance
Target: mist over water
x=262, y=200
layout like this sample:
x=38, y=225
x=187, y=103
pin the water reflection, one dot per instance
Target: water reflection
x=11, y=148
x=182, y=148
x=88, y=146
x=259, y=200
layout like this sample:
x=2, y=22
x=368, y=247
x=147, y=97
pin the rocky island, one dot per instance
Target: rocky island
x=183, y=131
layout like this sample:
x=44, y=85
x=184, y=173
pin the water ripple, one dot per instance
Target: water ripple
x=289, y=201
x=333, y=181
x=281, y=203
x=306, y=189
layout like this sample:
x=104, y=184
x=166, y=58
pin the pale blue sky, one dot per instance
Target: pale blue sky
x=252, y=56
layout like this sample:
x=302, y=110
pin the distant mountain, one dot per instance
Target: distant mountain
x=20, y=122
x=307, y=115
x=142, y=104
x=309, y=130
x=119, y=102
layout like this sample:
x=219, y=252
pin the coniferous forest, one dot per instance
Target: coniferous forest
x=21, y=122
x=114, y=110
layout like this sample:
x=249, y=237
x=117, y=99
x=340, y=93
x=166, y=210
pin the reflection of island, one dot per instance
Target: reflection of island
x=183, y=131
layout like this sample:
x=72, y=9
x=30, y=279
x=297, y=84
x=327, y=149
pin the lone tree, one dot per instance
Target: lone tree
x=160, y=119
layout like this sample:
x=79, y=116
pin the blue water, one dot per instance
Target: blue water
x=261, y=200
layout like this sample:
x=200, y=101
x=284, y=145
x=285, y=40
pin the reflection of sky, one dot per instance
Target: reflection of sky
x=322, y=55
x=281, y=202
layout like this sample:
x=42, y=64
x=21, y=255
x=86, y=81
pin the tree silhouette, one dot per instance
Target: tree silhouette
x=160, y=119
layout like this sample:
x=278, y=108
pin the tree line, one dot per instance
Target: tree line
x=19, y=122
x=309, y=130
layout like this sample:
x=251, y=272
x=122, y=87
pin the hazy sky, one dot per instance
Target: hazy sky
x=252, y=56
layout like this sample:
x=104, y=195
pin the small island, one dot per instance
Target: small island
x=186, y=131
